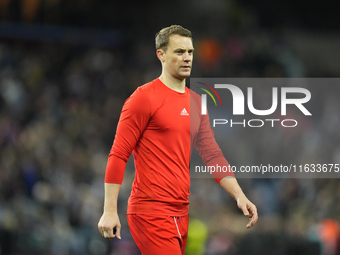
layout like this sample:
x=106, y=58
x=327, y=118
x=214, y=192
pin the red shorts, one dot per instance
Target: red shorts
x=157, y=234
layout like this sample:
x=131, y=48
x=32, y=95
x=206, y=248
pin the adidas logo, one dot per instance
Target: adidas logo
x=184, y=112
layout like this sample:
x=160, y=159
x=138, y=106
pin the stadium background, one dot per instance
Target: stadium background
x=66, y=68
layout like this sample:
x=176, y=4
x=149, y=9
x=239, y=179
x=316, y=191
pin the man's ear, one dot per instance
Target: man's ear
x=160, y=54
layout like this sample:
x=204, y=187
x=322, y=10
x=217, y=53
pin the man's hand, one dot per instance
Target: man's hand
x=110, y=219
x=248, y=209
x=107, y=223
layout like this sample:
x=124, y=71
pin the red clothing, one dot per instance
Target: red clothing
x=158, y=234
x=155, y=125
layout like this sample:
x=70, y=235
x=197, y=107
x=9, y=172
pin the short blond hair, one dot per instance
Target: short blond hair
x=162, y=37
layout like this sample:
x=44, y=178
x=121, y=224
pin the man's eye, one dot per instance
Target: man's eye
x=179, y=52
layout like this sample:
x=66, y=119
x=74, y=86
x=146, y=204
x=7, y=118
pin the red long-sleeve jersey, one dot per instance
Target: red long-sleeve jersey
x=161, y=126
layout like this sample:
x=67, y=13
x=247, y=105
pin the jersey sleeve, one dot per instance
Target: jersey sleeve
x=133, y=120
x=210, y=151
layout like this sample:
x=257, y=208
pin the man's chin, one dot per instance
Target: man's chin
x=184, y=75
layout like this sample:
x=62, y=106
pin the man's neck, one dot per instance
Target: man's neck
x=173, y=83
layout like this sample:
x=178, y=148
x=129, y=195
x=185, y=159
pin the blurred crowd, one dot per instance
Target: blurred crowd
x=59, y=107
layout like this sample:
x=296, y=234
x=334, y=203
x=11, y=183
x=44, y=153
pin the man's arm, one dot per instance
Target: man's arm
x=231, y=185
x=132, y=123
x=110, y=219
x=212, y=155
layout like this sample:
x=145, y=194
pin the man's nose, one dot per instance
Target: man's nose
x=187, y=57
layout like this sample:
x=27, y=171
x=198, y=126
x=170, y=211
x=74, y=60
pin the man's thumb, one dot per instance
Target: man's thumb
x=118, y=233
x=245, y=211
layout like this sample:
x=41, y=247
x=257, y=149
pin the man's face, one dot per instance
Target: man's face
x=178, y=57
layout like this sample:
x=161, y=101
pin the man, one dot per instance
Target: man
x=155, y=125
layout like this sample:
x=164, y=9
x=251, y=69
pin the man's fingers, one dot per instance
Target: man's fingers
x=249, y=210
x=253, y=210
x=253, y=216
x=245, y=210
x=105, y=234
x=252, y=221
x=111, y=233
x=118, y=232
